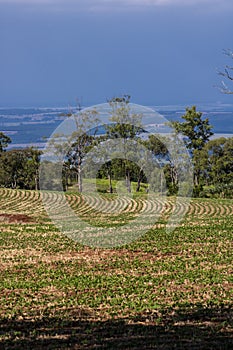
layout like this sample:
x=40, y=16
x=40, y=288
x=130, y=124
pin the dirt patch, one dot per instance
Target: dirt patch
x=15, y=218
x=90, y=257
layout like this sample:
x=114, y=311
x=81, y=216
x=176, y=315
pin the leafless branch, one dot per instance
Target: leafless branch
x=226, y=74
x=224, y=88
x=228, y=52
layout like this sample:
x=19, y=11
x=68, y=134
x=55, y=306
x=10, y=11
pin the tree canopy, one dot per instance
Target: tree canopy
x=212, y=158
x=4, y=141
x=196, y=132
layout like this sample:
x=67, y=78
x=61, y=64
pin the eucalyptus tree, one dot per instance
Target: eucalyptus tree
x=124, y=125
x=19, y=168
x=216, y=161
x=71, y=141
x=196, y=132
x=159, y=151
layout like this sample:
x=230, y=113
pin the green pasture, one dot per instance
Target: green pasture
x=166, y=290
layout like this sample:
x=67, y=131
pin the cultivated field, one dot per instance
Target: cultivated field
x=163, y=291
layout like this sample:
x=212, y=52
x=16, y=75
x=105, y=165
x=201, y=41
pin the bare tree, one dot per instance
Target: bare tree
x=226, y=73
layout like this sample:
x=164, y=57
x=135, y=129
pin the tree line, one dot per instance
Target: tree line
x=212, y=159
x=19, y=168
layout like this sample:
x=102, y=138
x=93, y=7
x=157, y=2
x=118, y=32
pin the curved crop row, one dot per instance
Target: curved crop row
x=36, y=203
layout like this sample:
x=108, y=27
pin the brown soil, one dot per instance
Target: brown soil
x=15, y=218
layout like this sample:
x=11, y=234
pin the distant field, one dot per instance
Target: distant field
x=31, y=126
x=163, y=291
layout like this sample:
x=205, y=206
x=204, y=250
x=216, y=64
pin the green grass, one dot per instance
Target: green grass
x=163, y=291
x=102, y=185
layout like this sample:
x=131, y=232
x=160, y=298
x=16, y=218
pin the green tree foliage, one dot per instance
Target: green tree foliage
x=157, y=147
x=196, y=132
x=4, y=141
x=81, y=141
x=212, y=159
x=70, y=149
x=76, y=154
x=50, y=176
x=124, y=125
x=19, y=168
x=216, y=166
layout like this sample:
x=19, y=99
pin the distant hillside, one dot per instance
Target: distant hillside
x=31, y=126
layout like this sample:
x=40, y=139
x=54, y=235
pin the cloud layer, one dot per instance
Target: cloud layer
x=105, y=5
x=109, y=3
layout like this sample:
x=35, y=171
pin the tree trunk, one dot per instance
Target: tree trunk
x=161, y=182
x=66, y=184
x=14, y=184
x=36, y=183
x=128, y=182
x=139, y=181
x=110, y=182
x=174, y=176
x=80, y=184
x=196, y=180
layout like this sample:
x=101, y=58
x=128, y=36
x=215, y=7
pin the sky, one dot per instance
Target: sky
x=161, y=52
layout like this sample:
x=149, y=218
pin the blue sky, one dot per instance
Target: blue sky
x=161, y=52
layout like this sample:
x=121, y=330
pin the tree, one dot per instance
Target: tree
x=226, y=73
x=126, y=126
x=19, y=168
x=76, y=154
x=216, y=161
x=196, y=132
x=160, y=153
x=4, y=141
x=70, y=149
x=32, y=168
